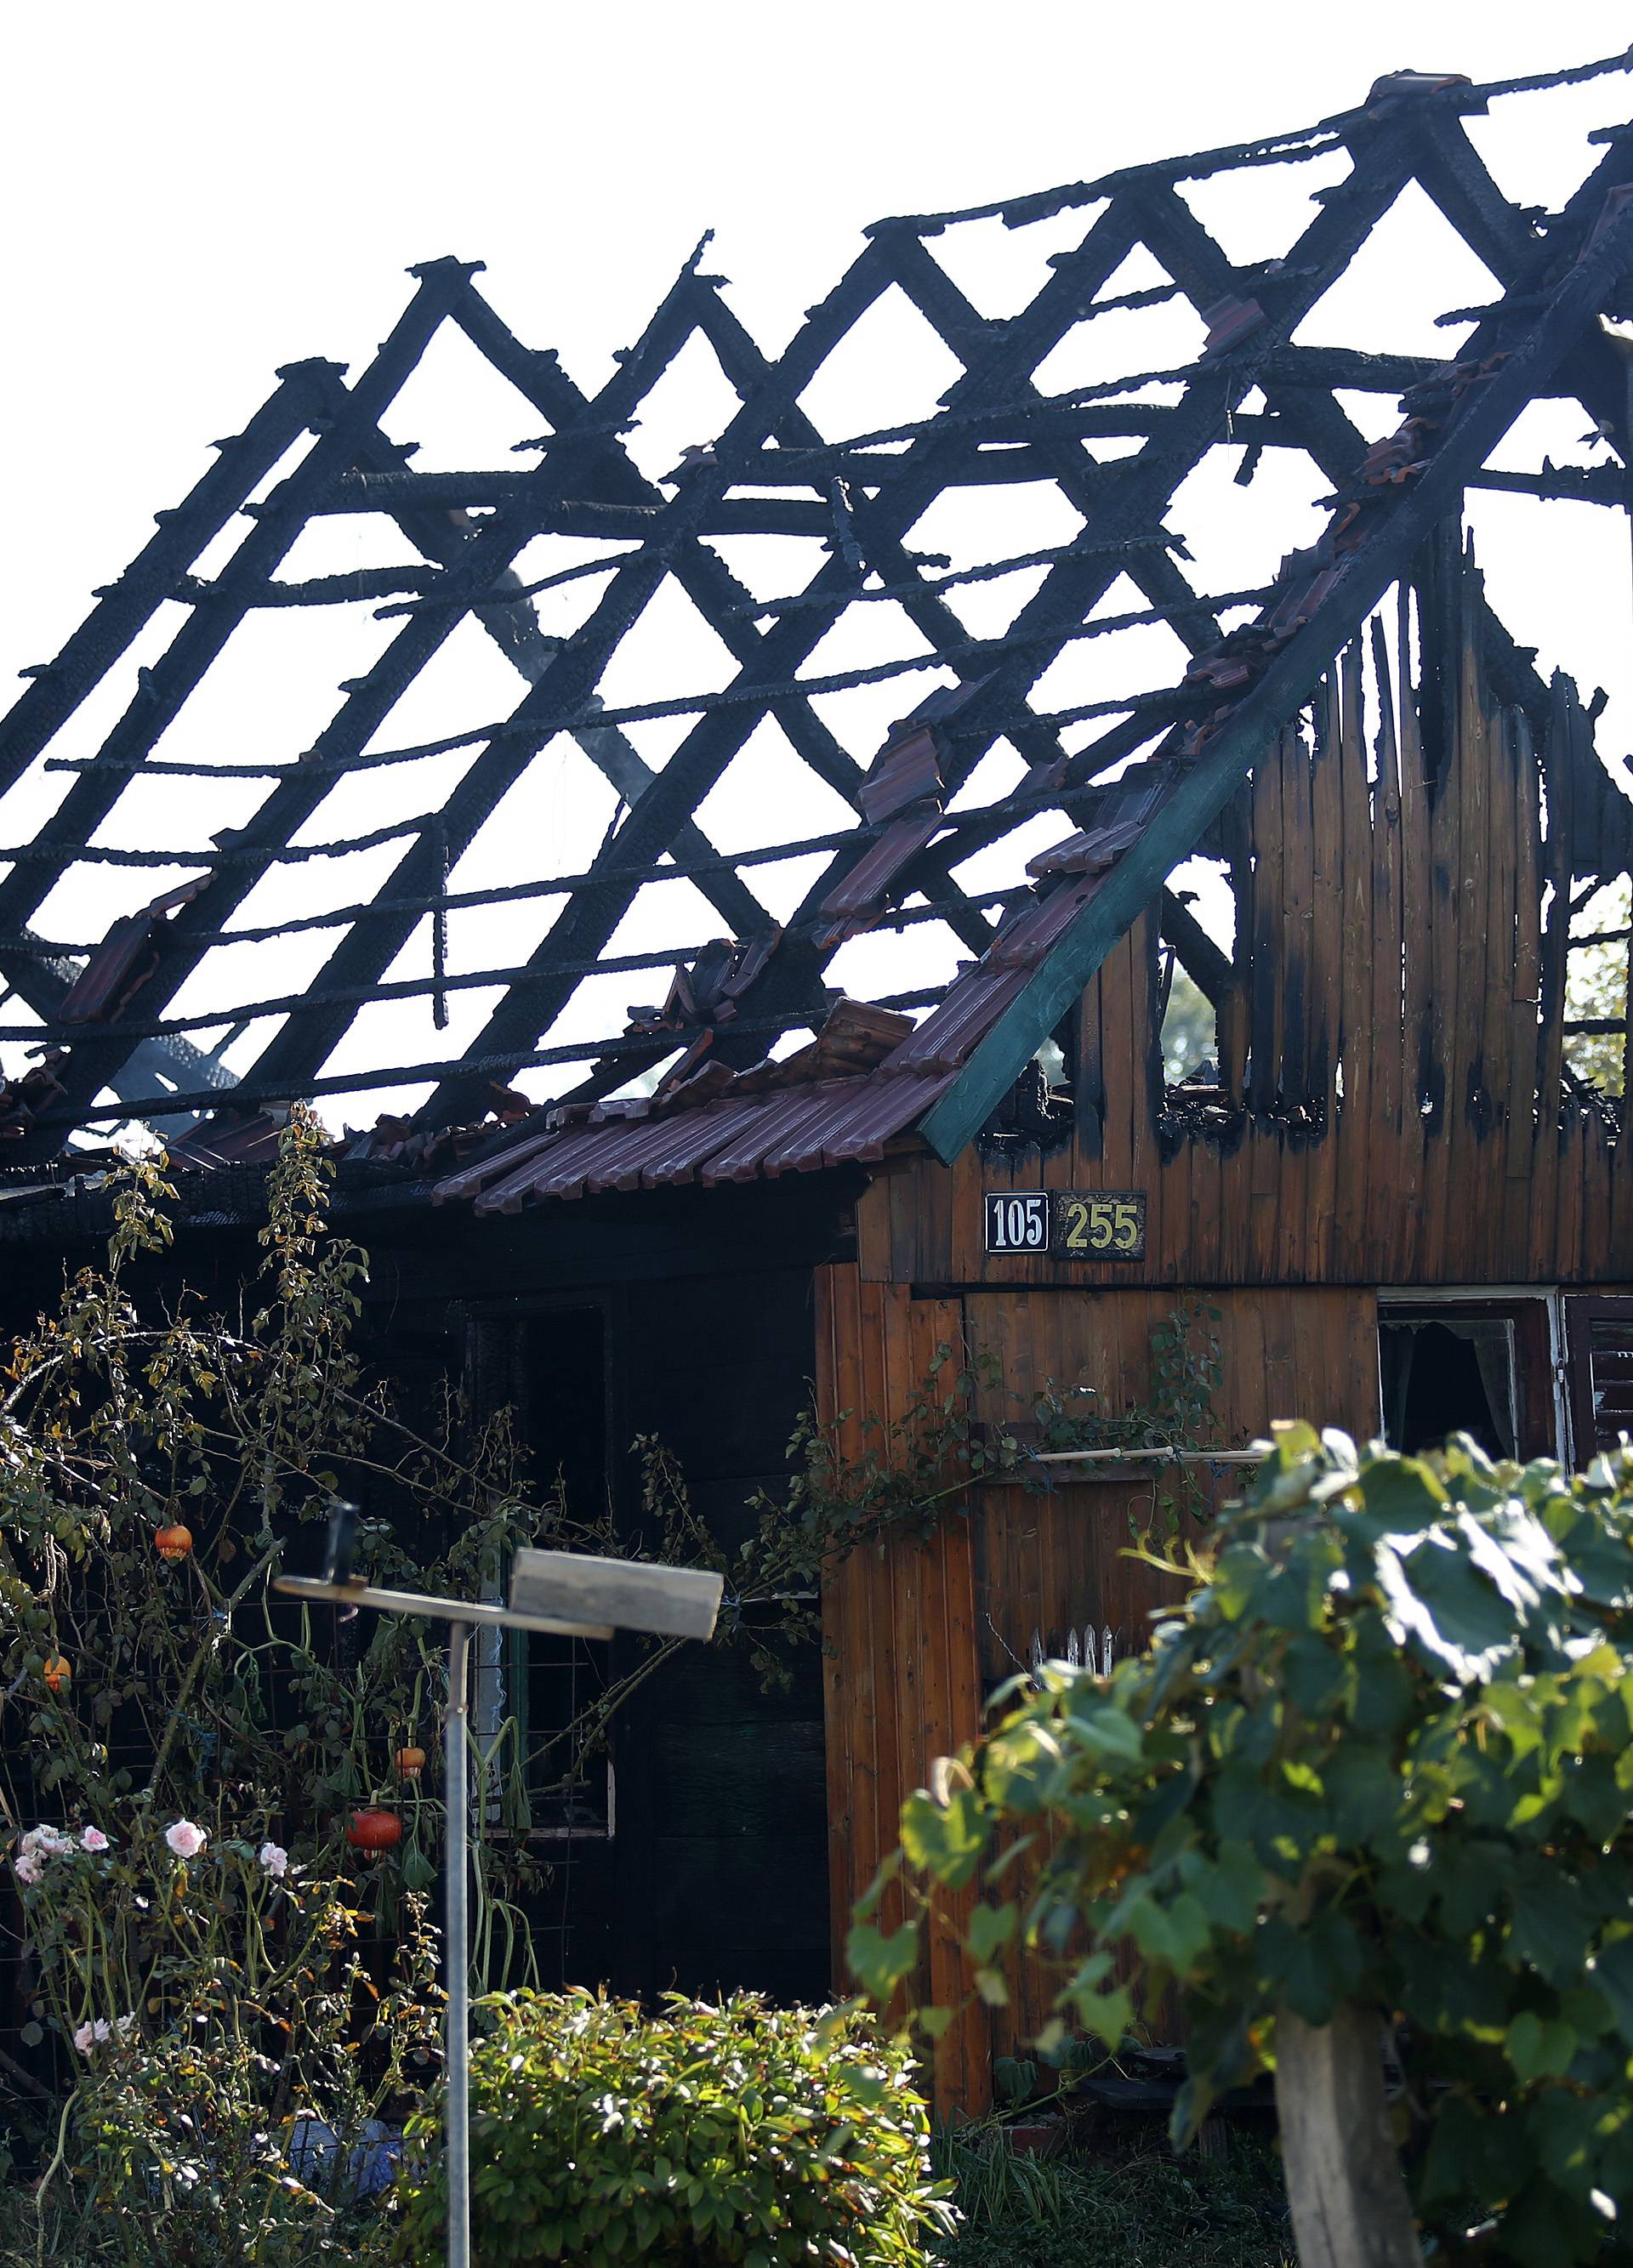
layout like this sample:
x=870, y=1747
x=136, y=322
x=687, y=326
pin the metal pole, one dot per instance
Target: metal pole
x=456, y=1789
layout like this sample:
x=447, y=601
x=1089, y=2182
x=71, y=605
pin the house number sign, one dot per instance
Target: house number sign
x=1067, y=1224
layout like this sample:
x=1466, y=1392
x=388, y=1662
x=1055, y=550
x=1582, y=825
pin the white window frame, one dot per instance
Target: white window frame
x=1497, y=1295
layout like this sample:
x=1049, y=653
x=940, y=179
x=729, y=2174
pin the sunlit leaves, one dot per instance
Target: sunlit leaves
x=602, y=2133
x=878, y=1962
x=1383, y=1754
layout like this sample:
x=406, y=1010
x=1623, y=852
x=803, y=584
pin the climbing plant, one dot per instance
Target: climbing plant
x=857, y=1480
x=1186, y=1371
x=1368, y=1789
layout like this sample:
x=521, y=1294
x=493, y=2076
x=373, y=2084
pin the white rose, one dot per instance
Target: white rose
x=186, y=1840
x=274, y=1858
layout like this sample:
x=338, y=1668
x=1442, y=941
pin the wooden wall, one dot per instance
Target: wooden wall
x=919, y=1635
x=1392, y=1109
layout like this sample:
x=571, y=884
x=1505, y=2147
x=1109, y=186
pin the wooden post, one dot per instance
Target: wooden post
x=1344, y=2183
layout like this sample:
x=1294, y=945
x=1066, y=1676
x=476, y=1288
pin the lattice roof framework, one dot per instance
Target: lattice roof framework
x=444, y=887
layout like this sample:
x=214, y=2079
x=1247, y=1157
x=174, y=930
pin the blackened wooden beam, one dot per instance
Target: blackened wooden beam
x=205, y=632
x=126, y=605
x=1209, y=968
x=368, y=701
x=568, y=682
x=394, y=493
x=1488, y=408
x=584, y=925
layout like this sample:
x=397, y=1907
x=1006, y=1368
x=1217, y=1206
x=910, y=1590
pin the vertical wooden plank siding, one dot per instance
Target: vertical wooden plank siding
x=903, y=1685
x=1400, y=958
x=962, y=1611
x=1393, y=1110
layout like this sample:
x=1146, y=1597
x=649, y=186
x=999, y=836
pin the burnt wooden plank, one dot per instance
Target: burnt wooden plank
x=1498, y=956
x=1383, y=1046
x=1417, y=1038
x=1324, y=1015
x=1469, y=1108
x=1300, y=754
x=1235, y=830
x=1520, y=1129
x=1264, y=1043
x=1441, y=714
x=1359, y=951
x=1558, y=778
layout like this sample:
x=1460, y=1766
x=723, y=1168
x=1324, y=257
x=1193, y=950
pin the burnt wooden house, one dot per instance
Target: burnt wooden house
x=901, y=1083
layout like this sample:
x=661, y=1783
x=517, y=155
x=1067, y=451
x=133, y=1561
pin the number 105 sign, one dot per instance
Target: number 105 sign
x=1069, y=1224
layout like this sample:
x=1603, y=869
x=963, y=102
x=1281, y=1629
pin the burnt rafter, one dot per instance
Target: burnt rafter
x=771, y=471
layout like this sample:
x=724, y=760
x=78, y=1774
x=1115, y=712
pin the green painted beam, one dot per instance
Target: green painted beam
x=1202, y=792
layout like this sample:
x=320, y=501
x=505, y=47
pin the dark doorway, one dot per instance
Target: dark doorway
x=691, y=1850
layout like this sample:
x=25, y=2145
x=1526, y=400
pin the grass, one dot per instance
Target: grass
x=1148, y=2210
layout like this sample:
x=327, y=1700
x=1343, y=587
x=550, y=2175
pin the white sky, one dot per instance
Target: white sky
x=196, y=194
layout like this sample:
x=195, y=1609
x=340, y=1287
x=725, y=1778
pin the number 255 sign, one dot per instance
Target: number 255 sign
x=1067, y=1224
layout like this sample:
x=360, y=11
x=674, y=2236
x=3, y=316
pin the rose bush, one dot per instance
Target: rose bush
x=221, y=2016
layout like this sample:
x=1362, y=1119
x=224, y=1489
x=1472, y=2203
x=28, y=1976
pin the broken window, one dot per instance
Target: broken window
x=1040, y=1109
x=1473, y=1368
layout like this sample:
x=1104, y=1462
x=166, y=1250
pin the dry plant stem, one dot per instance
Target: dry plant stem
x=1344, y=2185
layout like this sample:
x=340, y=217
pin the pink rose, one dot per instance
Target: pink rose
x=28, y=1866
x=186, y=1840
x=93, y=1839
x=274, y=1858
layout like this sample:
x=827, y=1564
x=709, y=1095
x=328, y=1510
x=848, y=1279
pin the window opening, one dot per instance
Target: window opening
x=1190, y=1033
x=1039, y=1111
x=1476, y=1368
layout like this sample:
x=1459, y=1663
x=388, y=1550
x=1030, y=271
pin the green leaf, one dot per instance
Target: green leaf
x=1314, y=1674
x=881, y=1962
x=1612, y=1971
x=1317, y=1965
x=1363, y=1793
x=1103, y=1728
x=1401, y=1496
x=1228, y=1887
x=990, y=1929
x=1381, y=1697
x=1539, y=2049
x=1448, y=1611
x=948, y=1839
x=1551, y=1930
x=1175, y=1934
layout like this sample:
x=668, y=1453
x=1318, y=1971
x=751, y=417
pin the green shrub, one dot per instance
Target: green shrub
x=741, y=2134
x=1380, y=1760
